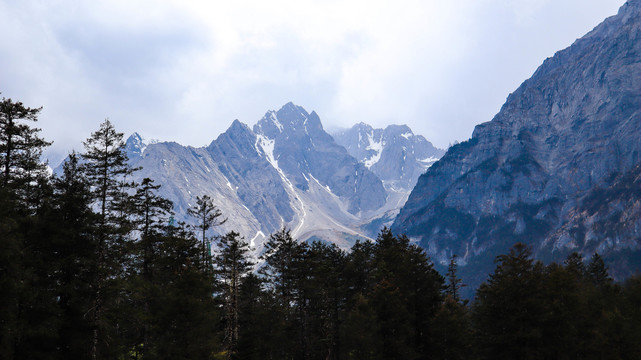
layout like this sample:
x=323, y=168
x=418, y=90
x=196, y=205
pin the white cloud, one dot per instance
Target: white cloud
x=183, y=70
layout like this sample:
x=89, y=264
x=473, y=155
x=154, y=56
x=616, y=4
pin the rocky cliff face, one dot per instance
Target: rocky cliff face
x=256, y=183
x=530, y=174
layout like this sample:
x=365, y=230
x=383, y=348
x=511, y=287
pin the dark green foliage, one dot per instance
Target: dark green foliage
x=258, y=319
x=183, y=313
x=454, y=284
x=528, y=311
x=73, y=246
x=324, y=291
x=10, y=270
x=20, y=151
x=451, y=330
x=508, y=310
x=396, y=295
x=285, y=272
x=106, y=170
x=23, y=264
x=597, y=272
x=231, y=265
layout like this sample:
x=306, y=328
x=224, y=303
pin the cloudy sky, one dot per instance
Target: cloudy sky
x=184, y=70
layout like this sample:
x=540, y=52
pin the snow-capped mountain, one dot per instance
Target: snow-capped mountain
x=297, y=145
x=286, y=171
x=397, y=156
x=394, y=154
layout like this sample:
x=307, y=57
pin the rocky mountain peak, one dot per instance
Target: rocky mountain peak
x=135, y=145
x=238, y=127
x=288, y=119
x=399, y=130
x=238, y=138
x=395, y=154
x=292, y=114
x=313, y=123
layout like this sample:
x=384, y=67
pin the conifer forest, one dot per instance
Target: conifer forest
x=94, y=266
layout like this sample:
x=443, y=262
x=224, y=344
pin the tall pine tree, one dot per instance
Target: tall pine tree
x=21, y=173
x=232, y=265
x=208, y=216
x=20, y=149
x=107, y=170
x=75, y=244
x=508, y=308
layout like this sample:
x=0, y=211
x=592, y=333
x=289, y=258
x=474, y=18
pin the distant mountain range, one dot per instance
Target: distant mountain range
x=557, y=167
x=287, y=171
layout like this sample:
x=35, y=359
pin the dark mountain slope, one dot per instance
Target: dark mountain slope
x=565, y=132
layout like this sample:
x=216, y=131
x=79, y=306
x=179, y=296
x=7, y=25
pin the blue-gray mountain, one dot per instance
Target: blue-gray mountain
x=557, y=167
x=286, y=171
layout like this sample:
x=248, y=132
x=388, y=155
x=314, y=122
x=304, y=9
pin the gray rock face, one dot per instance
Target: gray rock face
x=258, y=185
x=394, y=154
x=524, y=176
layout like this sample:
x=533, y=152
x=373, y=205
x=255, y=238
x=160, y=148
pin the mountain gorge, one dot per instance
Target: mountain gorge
x=556, y=168
x=287, y=171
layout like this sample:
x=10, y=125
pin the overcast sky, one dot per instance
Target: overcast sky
x=184, y=70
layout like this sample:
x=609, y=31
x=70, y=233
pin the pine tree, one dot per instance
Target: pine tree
x=324, y=293
x=451, y=330
x=597, y=272
x=283, y=258
x=509, y=309
x=285, y=271
x=185, y=315
x=208, y=216
x=75, y=246
x=11, y=245
x=151, y=213
x=398, y=294
x=106, y=167
x=231, y=264
x=359, y=328
x=564, y=308
x=22, y=183
x=454, y=284
x=258, y=338
x=38, y=311
x=574, y=264
x=20, y=150
x=150, y=216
